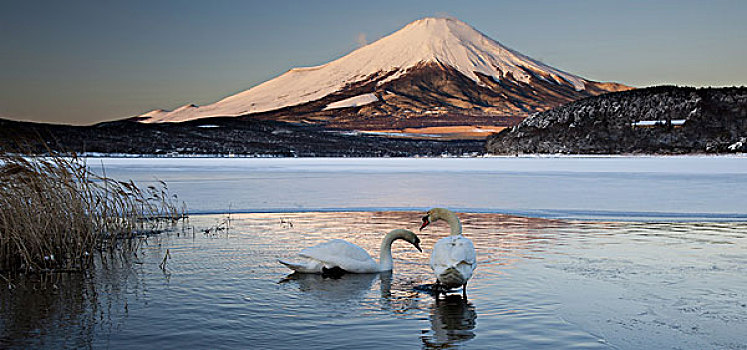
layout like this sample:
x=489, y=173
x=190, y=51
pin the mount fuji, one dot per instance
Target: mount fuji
x=434, y=72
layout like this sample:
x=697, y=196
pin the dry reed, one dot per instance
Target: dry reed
x=55, y=213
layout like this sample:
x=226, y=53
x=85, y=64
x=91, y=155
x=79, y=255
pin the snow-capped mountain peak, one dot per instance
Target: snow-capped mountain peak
x=453, y=43
x=443, y=41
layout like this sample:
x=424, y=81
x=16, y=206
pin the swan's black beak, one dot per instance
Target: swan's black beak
x=425, y=222
x=417, y=245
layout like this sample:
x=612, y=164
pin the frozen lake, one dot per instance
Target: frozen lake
x=607, y=188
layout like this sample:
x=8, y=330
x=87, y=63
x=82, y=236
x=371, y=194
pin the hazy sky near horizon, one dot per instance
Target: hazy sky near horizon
x=82, y=62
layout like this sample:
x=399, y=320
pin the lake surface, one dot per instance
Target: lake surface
x=616, y=272
x=627, y=188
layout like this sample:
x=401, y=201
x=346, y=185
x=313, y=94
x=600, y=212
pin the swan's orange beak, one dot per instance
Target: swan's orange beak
x=426, y=222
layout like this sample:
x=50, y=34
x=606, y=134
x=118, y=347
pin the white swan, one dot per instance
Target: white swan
x=337, y=255
x=453, y=258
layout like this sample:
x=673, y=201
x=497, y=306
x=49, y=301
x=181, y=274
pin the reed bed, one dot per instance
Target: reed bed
x=55, y=213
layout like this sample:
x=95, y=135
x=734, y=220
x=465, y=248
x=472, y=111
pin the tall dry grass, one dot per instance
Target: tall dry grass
x=55, y=213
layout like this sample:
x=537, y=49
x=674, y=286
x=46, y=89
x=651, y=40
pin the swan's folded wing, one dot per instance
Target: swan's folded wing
x=454, y=252
x=465, y=252
x=343, y=254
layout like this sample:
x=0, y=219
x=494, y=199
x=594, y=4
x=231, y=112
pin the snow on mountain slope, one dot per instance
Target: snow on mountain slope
x=355, y=101
x=443, y=41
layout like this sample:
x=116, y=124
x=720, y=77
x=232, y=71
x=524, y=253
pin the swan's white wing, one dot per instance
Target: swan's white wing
x=453, y=260
x=343, y=254
x=303, y=265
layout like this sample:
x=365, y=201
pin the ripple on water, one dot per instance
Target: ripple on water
x=540, y=284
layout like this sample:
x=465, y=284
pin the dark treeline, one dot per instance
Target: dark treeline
x=221, y=136
x=715, y=122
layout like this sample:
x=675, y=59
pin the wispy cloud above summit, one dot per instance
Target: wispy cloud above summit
x=361, y=39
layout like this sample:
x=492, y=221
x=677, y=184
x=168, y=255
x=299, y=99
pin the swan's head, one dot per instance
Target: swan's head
x=434, y=215
x=408, y=236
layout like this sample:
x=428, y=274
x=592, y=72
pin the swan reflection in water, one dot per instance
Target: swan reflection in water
x=347, y=287
x=453, y=320
x=401, y=300
x=356, y=286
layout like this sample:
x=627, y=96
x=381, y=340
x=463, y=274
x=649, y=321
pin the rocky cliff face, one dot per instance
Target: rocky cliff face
x=663, y=119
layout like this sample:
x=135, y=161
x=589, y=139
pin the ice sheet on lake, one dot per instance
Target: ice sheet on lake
x=642, y=188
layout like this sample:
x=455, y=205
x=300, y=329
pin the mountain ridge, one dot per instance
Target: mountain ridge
x=447, y=48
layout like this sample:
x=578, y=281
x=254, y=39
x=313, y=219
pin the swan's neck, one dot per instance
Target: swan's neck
x=454, y=224
x=385, y=254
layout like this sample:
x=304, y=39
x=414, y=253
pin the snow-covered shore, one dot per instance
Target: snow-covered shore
x=680, y=188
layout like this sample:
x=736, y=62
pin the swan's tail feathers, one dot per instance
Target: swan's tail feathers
x=300, y=267
x=291, y=265
x=453, y=277
x=450, y=277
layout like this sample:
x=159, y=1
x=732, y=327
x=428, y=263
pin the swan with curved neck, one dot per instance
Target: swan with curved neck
x=340, y=256
x=454, y=258
x=447, y=215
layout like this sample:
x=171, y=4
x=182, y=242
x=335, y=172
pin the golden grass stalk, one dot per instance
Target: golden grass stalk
x=55, y=213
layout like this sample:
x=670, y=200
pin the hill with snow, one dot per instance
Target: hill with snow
x=661, y=119
x=434, y=71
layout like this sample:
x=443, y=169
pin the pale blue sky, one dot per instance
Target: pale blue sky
x=86, y=61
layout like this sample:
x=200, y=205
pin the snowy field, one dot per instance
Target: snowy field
x=682, y=188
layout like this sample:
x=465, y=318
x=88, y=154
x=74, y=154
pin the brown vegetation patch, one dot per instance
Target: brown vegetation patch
x=55, y=213
x=446, y=132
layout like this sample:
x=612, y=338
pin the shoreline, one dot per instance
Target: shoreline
x=579, y=215
x=528, y=155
